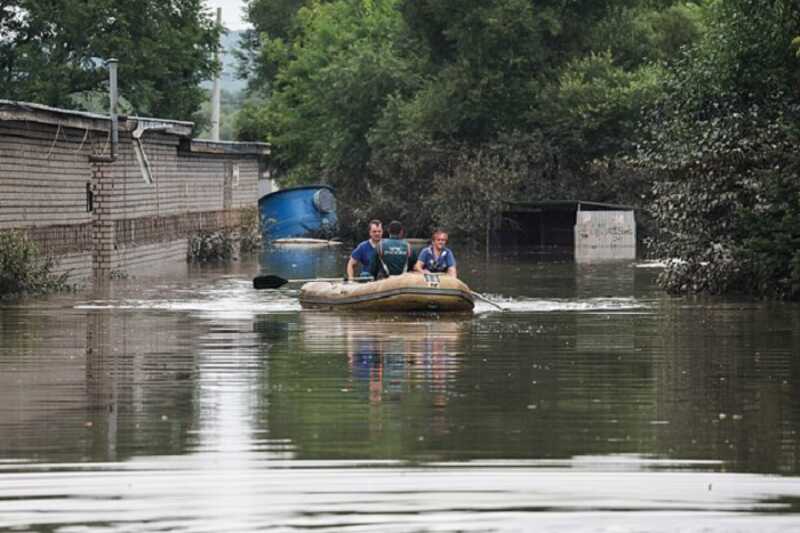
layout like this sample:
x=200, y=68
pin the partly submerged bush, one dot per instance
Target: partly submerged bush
x=212, y=246
x=24, y=269
x=226, y=244
x=722, y=148
x=250, y=231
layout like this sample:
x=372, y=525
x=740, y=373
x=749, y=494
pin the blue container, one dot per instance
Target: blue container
x=308, y=211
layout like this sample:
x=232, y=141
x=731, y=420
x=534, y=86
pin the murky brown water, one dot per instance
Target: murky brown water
x=188, y=401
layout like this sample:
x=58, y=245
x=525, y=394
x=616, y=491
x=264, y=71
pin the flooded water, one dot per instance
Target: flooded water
x=188, y=401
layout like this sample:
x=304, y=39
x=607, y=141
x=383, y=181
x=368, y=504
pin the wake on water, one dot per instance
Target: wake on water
x=237, y=299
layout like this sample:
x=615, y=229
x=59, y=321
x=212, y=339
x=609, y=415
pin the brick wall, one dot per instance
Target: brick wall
x=98, y=216
x=44, y=170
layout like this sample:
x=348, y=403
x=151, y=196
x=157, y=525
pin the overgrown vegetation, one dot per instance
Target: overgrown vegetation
x=250, y=231
x=205, y=246
x=388, y=100
x=435, y=112
x=53, y=53
x=225, y=245
x=722, y=144
x=24, y=269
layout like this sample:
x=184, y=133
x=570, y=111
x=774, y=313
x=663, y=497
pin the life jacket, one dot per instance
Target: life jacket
x=393, y=256
x=437, y=264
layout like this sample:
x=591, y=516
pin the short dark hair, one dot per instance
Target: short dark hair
x=374, y=222
x=395, y=227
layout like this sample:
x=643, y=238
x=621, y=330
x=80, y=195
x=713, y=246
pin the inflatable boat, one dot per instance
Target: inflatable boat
x=408, y=292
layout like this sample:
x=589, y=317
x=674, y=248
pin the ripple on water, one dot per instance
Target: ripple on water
x=217, y=492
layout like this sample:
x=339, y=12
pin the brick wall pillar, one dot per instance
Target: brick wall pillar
x=103, y=235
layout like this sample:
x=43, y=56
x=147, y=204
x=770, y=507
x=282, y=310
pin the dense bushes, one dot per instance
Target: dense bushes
x=23, y=268
x=435, y=111
x=722, y=146
x=394, y=102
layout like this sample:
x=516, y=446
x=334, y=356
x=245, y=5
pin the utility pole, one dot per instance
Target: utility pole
x=216, y=89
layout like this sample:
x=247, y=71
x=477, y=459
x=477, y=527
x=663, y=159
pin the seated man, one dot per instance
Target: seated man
x=437, y=257
x=391, y=255
x=363, y=253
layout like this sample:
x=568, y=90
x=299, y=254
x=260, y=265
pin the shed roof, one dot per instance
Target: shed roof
x=566, y=205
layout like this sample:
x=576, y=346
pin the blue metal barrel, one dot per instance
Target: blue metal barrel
x=308, y=211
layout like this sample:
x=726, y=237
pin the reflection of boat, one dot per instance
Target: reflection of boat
x=409, y=292
x=298, y=212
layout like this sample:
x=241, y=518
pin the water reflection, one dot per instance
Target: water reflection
x=201, y=404
x=96, y=386
x=731, y=383
x=302, y=262
x=350, y=381
x=400, y=356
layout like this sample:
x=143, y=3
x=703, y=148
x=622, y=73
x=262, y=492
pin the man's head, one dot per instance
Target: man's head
x=439, y=238
x=375, y=230
x=395, y=228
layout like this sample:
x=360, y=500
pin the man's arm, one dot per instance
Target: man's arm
x=419, y=266
x=351, y=264
x=451, y=269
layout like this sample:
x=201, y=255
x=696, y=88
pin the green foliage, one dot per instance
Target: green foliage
x=230, y=106
x=381, y=97
x=97, y=102
x=263, y=48
x=24, y=270
x=327, y=96
x=468, y=197
x=722, y=145
x=595, y=109
x=248, y=122
x=640, y=35
x=52, y=51
x=250, y=231
x=206, y=246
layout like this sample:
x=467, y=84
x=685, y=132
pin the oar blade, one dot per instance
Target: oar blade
x=488, y=301
x=268, y=282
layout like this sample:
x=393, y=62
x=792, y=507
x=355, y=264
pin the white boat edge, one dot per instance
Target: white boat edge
x=304, y=242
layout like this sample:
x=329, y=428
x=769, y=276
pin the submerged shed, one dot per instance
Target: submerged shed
x=590, y=230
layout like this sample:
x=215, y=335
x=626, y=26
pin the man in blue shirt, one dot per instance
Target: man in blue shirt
x=362, y=255
x=437, y=257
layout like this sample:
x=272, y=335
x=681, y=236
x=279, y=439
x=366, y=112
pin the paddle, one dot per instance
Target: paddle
x=274, y=282
x=488, y=301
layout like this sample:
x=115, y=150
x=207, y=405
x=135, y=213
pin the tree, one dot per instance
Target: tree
x=262, y=49
x=51, y=52
x=722, y=145
x=377, y=96
x=334, y=84
x=476, y=187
